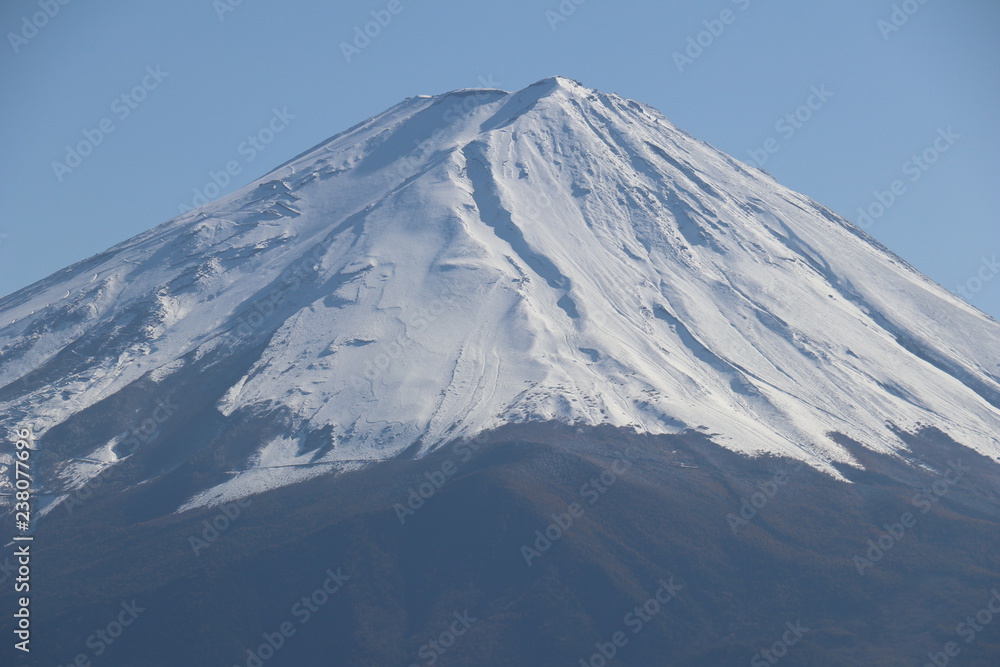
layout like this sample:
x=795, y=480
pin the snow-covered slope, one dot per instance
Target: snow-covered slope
x=482, y=257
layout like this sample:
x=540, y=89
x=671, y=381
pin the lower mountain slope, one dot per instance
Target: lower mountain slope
x=746, y=545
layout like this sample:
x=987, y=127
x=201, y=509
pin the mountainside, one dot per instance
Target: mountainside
x=498, y=379
x=487, y=546
x=480, y=258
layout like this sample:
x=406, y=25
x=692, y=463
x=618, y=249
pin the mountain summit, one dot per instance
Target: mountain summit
x=481, y=258
x=515, y=376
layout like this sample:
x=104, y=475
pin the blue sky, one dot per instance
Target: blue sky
x=883, y=106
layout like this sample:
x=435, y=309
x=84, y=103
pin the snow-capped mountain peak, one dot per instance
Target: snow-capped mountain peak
x=480, y=257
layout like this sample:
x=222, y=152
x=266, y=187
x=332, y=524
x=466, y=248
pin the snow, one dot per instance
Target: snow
x=480, y=257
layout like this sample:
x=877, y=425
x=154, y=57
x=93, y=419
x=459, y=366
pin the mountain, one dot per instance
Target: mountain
x=492, y=294
x=481, y=258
